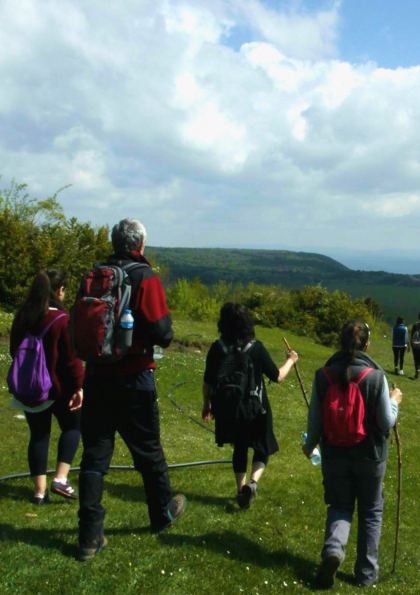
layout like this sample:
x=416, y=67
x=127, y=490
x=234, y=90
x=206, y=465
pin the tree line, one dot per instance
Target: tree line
x=36, y=234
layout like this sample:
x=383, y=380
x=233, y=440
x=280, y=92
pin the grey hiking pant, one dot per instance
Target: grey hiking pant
x=346, y=480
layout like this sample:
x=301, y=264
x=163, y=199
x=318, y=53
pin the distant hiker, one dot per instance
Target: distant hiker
x=399, y=344
x=415, y=345
x=40, y=330
x=121, y=396
x=234, y=392
x=350, y=414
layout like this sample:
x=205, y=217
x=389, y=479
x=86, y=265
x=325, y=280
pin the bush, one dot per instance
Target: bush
x=312, y=311
x=35, y=234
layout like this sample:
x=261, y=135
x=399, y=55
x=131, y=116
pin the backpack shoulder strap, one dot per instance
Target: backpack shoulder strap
x=329, y=375
x=223, y=347
x=248, y=346
x=47, y=328
x=362, y=375
x=135, y=265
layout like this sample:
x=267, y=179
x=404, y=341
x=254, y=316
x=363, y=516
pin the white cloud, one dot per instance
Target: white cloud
x=393, y=206
x=146, y=109
x=295, y=32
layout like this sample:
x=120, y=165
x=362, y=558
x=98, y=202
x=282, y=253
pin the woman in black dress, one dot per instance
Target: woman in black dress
x=237, y=331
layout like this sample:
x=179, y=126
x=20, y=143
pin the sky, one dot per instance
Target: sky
x=219, y=122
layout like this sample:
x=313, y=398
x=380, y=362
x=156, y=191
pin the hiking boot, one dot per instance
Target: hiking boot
x=63, y=489
x=90, y=550
x=327, y=571
x=45, y=499
x=367, y=582
x=249, y=491
x=176, y=509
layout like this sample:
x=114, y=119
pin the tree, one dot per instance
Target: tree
x=36, y=234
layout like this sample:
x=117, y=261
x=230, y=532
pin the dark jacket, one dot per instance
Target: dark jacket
x=375, y=445
x=399, y=335
x=152, y=320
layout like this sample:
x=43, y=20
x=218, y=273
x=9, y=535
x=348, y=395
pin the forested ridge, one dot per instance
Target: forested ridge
x=36, y=233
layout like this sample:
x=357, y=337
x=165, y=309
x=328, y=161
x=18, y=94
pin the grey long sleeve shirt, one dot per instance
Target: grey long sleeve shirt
x=386, y=414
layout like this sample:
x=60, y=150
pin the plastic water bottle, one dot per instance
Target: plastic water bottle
x=157, y=352
x=125, y=335
x=315, y=457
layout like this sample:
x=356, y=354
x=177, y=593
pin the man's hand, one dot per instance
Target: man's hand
x=306, y=451
x=206, y=412
x=76, y=401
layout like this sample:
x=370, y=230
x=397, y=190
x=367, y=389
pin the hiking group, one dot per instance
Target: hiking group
x=119, y=316
x=401, y=344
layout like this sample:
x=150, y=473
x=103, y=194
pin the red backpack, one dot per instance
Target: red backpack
x=343, y=411
x=95, y=329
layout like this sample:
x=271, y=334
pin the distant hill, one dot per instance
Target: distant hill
x=268, y=267
x=399, y=295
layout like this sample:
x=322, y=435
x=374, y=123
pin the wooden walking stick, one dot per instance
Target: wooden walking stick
x=298, y=375
x=397, y=528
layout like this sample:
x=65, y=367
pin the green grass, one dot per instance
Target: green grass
x=215, y=548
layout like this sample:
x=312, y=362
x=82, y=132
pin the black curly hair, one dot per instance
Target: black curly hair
x=235, y=325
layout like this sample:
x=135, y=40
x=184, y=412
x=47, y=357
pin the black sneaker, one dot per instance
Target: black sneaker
x=327, y=571
x=175, y=510
x=249, y=492
x=89, y=551
x=45, y=499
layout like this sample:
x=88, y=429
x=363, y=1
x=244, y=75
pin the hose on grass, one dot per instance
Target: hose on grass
x=178, y=406
x=121, y=468
x=131, y=467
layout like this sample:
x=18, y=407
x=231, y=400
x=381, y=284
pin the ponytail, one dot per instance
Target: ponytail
x=354, y=336
x=37, y=302
x=42, y=294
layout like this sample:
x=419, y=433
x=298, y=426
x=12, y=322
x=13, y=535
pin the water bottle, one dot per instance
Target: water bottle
x=125, y=332
x=315, y=457
x=157, y=352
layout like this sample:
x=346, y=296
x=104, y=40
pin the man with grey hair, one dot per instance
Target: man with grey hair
x=121, y=397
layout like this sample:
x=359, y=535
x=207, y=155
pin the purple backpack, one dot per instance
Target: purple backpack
x=28, y=378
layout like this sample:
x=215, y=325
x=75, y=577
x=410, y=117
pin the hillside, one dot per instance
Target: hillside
x=245, y=266
x=399, y=295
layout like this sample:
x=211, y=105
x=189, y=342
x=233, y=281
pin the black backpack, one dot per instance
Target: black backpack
x=235, y=398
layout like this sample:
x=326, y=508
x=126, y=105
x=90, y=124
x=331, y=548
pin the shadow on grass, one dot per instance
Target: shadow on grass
x=228, y=504
x=397, y=376
x=244, y=550
x=126, y=492
x=14, y=492
x=56, y=539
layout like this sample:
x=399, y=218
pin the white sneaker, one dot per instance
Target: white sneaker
x=401, y=373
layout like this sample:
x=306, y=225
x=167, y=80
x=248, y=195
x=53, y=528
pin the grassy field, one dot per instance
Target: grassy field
x=273, y=547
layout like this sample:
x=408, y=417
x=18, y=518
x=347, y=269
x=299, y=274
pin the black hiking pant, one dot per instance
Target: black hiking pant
x=399, y=353
x=416, y=356
x=40, y=428
x=117, y=405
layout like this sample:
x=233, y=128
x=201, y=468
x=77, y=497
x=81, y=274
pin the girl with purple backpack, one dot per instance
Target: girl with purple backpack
x=44, y=316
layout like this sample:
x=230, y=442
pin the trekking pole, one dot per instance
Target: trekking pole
x=397, y=528
x=298, y=375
